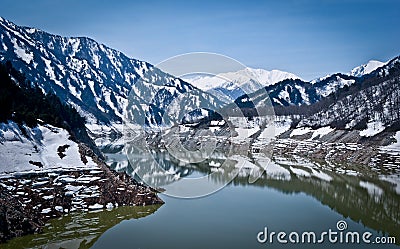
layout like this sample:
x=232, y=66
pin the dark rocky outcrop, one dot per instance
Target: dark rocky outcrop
x=15, y=219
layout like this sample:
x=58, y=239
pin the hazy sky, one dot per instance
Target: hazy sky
x=308, y=38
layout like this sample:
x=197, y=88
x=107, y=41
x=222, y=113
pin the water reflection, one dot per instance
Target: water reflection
x=168, y=171
x=353, y=191
x=360, y=195
x=79, y=229
x=347, y=195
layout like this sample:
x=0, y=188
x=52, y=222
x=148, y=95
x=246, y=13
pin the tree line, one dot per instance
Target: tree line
x=24, y=102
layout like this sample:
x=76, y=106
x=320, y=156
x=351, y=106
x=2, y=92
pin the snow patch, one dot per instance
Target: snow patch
x=371, y=188
x=366, y=68
x=74, y=92
x=22, y=53
x=300, y=172
x=50, y=72
x=373, y=129
x=396, y=145
x=96, y=206
x=244, y=133
x=46, y=211
x=39, y=150
x=321, y=132
x=300, y=131
x=285, y=95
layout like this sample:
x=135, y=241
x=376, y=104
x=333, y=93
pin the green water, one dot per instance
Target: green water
x=233, y=216
x=79, y=229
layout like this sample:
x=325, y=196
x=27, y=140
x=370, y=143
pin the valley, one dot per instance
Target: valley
x=90, y=138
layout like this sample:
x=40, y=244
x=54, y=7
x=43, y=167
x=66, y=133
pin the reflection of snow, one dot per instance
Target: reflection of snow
x=395, y=180
x=243, y=162
x=321, y=175
x=300, y=131
x=300, y=172
x=273, y=170
x=371, y=188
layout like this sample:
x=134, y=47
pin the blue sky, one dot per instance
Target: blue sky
x=308, y=38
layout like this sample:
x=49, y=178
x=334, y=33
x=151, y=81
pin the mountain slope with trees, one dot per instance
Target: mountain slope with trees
x=374, y=98
x=23, y=102
x=94, y=78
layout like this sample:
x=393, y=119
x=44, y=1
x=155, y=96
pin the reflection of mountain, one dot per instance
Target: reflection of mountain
x=79, y=230
x=160, y=168
x=380, y=211
x=364, y=199
x=353, y=191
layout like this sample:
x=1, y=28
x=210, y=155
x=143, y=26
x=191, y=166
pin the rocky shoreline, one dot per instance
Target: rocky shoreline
x=29, y=199
x=340, y=147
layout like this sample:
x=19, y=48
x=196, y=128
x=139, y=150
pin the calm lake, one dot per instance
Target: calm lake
x=294, y=196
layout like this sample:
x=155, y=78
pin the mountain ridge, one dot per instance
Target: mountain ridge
x=366, y=68
x=95, y=79
x=100, y=81
x=231, y=85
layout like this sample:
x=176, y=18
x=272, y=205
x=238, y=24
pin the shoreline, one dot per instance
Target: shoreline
x=30, y=199
x=341, y=146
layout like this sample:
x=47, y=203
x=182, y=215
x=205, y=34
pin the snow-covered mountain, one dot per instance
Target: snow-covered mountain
x=366, y=68
x=99, y=81
x=284, y=88
x=372, y=104
x=94, y=78
x=297, y=92
x=37, y=130
x=241, y=78
x=371, y=107
x=231, y=85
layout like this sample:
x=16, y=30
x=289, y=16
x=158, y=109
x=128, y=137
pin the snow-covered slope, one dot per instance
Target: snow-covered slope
x=234, y=84
x=44, y=147
x=366, y=68
x=371, y=105
x=241, y=78
x=294, y=91
x=297, y=92
x=97, y=80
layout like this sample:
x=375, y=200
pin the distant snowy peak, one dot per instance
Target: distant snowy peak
x=366, y=68
x=240, y=78
x=268, y=78
x=229, y=86
x=359, y=71
x=297, y=92
x=204, y=81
